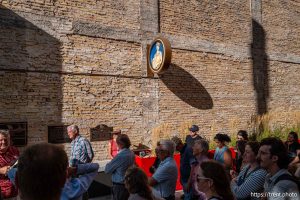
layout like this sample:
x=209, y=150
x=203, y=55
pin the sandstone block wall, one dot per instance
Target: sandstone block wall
x=84, y=62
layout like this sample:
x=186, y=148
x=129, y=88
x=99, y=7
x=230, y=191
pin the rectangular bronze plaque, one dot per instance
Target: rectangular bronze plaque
x=58, y=134
x=101, y=133
x=18, y=132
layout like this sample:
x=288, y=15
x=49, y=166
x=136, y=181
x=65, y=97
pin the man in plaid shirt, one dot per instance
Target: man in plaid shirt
x=81, y=149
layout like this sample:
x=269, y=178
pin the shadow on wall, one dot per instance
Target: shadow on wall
x=260, y=67
x=30, y=85
x=187, y=88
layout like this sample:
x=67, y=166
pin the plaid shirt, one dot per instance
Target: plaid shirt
x=81, y=151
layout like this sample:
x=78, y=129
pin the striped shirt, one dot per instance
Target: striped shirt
x=119, y=164
x=81, y=151
x=253, y=181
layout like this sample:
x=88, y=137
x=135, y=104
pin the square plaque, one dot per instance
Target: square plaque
x=58, y=134
x=18, y=132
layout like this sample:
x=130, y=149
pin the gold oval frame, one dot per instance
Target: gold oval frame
x=167, y=55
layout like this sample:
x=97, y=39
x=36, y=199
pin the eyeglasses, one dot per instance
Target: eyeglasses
x=202, y=178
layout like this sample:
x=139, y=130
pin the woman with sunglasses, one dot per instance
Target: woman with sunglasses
x=212, y=180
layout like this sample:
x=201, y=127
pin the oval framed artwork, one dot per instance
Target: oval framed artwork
x=159, y=56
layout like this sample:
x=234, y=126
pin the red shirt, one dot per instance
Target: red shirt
x=113, y=148
x=7, y=159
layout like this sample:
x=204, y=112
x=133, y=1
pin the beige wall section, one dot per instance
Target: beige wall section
x=93, y=100
x=35, y=98
x=215, y=21
x=101, y=56
x=284, y=87
x=116, y=13
x=208, y=89
x=281, y=21
x=84, y=62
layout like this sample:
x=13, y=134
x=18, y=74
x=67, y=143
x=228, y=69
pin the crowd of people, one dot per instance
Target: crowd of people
x=260, y=170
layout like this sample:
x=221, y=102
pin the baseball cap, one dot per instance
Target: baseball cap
x=194, y=128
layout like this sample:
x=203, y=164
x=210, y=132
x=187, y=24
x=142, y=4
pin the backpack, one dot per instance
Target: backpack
x=288, y=177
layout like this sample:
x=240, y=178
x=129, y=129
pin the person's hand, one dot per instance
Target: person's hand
x=291, y=165
x=233, y=174
x=234, y=179
x=4, y=170
x=72, y=171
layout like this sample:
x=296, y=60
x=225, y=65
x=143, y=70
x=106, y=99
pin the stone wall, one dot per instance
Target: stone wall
x=84, y=62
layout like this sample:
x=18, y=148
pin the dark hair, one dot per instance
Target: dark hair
x=254, y=146
x=216, y=172
x=295, y=136
x=136, y=181
x=124, y=140
x=204, y=144
x=222, y=137
x=240, y=145
x=42, y=172
x=277, y=149
x=243, y=133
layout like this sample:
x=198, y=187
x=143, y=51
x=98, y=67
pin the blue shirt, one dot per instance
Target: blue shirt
x=81, y=151
x=166, y=176
x=119, y=164
x=219, y=154
x=75, y=187
x=281, y=187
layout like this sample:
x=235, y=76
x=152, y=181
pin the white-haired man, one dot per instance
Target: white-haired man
x=165, y=177
x=81, y=149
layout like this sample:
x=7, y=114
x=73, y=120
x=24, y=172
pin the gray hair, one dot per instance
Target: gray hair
x=5, y=133
x=168, y=145
x=73, y=128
